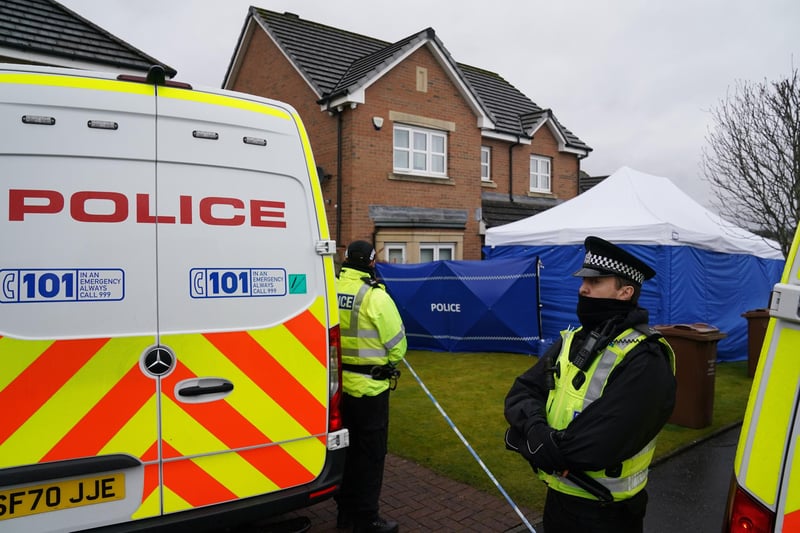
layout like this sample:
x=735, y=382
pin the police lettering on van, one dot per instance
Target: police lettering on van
x=111, y=206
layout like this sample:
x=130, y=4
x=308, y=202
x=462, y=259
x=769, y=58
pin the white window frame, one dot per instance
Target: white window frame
x=541, y=174
x=420, y=160
x=390, y=247
x=436, y=248
x=486, y=163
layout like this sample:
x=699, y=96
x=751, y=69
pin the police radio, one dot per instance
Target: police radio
x=587, y=351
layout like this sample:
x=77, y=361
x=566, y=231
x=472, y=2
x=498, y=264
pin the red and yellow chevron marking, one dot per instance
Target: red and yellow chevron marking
x=81, y=398
x=791, y=522
x=54, y=385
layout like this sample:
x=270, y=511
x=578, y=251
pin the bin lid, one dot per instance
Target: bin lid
x=698, y=331
x=756, y=313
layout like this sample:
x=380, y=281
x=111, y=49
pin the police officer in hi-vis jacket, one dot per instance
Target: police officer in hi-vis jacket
x=373, y=342
x=586, y=415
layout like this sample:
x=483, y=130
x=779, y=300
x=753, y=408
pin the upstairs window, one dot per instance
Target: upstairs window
x=486, y=163
x=540, y=174
x=420, y=151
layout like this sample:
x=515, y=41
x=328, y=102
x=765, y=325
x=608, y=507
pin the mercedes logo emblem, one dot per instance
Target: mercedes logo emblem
x=158, y=361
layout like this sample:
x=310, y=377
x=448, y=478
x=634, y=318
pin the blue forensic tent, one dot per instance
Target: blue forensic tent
x=467, y=306
x=708, y=270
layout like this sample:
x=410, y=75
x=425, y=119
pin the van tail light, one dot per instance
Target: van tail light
x=745, y=514
x=335, y=393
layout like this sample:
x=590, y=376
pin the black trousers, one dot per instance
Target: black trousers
x=570, y=514
x=367, y=420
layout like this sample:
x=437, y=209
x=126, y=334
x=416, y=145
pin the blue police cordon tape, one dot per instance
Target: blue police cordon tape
x=472, y=451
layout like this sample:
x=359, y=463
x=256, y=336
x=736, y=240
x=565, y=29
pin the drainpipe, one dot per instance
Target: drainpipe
x=339, y=177
x=511, y=170
x=580, y=158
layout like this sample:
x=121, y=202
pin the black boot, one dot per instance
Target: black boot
x=378, y=525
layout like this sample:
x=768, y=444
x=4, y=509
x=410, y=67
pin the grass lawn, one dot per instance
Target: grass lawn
x=471, y=387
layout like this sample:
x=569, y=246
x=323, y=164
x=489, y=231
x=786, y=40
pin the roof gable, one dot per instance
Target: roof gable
x=340, y=65
x=321, y=53
x=362, y=71
x=44, y=31
x=515, y=113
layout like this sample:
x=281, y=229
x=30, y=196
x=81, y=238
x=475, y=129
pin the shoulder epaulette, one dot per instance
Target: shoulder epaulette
x=645, y=329
x=372, y=282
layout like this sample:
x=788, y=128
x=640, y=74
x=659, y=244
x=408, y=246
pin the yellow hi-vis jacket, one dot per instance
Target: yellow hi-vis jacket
x=372, y=332
x=564, y=402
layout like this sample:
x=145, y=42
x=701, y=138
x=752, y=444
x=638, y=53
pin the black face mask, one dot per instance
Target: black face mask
x=594, y=311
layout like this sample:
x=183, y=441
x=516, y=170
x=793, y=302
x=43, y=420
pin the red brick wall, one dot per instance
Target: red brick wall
x=564, y=167
x=367, y=154
x=368, y=181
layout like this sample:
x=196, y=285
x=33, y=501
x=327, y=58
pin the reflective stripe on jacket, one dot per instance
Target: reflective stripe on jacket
x=565, y=402
x=372, y=331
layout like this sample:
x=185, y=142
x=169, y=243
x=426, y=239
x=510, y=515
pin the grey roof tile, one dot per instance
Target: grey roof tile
x=47, y=27
x=324, y=54
x=362, y=67
x=499, y=212
x=336, y=61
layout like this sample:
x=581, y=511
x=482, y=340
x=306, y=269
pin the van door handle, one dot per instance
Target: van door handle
x=203, y=386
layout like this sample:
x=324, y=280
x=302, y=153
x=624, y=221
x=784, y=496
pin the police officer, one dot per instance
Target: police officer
x=586, y=415
x=373, y=342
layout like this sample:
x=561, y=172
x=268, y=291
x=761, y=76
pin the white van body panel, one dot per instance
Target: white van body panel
x=165, y=311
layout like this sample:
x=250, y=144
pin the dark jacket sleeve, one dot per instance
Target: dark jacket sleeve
x=636, y=403
x=527, y=397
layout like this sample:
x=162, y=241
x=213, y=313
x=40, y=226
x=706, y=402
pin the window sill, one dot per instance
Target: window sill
x=422, y=179
x=488, y=184
x=540, y=194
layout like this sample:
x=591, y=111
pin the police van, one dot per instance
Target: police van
x=765, y=489
x=169, y=342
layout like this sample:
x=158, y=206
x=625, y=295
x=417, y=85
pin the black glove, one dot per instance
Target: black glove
x=541, y=449
x=514, y=440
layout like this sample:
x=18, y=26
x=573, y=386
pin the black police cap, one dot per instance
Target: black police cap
x=360, y=253
x=606, y=259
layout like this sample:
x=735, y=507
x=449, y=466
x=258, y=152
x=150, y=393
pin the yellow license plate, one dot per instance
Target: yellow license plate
x=35, y=499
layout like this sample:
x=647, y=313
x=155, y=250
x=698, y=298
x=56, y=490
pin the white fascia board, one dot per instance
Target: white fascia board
x=506, y=137
x=562, y=141
x=64, y=62
x=484, y=122
x=576, y=151
x=289, y=59
x=351, y=100
x=539, y=125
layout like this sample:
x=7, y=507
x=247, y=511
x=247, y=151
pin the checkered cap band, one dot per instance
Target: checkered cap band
x=614, y=266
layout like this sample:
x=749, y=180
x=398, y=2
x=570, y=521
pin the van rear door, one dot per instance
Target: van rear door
x=77, y=300
x=241, y=301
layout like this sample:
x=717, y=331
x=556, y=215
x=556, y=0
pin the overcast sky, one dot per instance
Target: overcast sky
x=634, y=79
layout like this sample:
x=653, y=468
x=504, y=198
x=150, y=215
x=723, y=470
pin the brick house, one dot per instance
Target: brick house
x=44, y=32
x=416, y=153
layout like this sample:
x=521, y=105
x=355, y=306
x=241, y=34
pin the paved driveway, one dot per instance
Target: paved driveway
x=687, y=492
